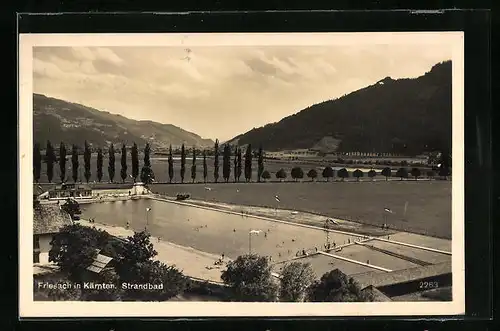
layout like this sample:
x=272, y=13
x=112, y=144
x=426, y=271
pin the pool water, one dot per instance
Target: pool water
x=210, y=231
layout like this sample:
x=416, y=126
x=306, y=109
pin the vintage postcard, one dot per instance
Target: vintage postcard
x=307, y=174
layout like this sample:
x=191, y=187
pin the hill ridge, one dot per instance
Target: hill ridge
x=60, y=120
x=406, y=115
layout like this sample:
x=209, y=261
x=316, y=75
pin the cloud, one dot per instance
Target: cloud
x=83, y=53
x=46, y=69
x=107, y=55
x=219, y=92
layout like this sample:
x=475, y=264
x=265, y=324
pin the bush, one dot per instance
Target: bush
x=343, y=173
x=415, y=172
x=297, y=173
x=296, y=277
x=402, y=173
x=266, y=175
x=335, y=286
x=281, y=174
x=73, y=248
x=312, y=174
x=328, y=173
x=250, y=279
x=386, y=172
x=357, y=174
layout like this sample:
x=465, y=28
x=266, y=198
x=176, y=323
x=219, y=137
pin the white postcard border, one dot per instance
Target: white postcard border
x=30, y=308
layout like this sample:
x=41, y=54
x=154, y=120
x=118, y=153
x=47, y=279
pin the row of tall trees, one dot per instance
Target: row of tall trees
x=226, y=164
x=147, y=174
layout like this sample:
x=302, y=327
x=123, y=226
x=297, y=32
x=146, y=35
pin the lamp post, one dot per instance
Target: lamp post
x=250, y=239
x=147, y=218
x=387, y=210
x=277, y=198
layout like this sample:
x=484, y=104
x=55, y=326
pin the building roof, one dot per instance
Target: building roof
x=376, y=294
x=49, y=219
x=72, y=186
x=379, y=279
x=100, y=262
x=113, y=186
x=37, y=190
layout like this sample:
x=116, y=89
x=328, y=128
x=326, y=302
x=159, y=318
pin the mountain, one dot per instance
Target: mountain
x=57, y=120
x=406, y=116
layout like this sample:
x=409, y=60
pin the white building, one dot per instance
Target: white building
x=139, y=189
x=47, y=221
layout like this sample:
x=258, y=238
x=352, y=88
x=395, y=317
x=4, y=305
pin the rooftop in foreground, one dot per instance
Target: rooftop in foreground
x=402, y=276
x=48, y=219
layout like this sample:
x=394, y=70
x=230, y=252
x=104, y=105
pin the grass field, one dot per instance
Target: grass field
x=428, y=203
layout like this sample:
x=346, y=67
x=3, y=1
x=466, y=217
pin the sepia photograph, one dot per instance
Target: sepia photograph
x=308, y=174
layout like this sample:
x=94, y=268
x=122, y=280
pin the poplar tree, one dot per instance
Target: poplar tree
x=147, y=174
x=193, y=166
x=170, y=165
x=183, y=162
x=216, y=160
x=260, y=167
x=37, y=162
x=86, y=161
x=240, y=167
x=248, y=163
x=205, y=170
x=62, y=162
x=123, y=171
x=111, y=165
x=135, y=161
x=74, y=162
x=50, y=158
x=226, y=163
x=147, y=152
x=235, y=164
x=99, y=164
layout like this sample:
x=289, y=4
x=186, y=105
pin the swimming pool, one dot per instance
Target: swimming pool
x=210, y=231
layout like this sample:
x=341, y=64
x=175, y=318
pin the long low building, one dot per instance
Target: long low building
x=87, y=192
x=65, y=191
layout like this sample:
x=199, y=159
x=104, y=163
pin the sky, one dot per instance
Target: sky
x=220, y=91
